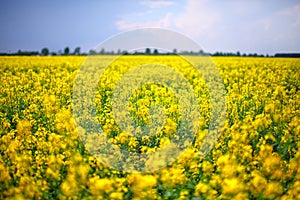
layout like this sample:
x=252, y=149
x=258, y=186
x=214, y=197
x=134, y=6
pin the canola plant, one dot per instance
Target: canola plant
x=43, y=155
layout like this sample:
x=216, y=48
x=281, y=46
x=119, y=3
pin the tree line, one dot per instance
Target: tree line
x=77, y=51
x=46, y=52
x=148, y=51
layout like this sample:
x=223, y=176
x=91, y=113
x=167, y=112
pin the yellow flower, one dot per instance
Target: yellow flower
x=116, y=195
x=232, y=186
x=273, y=190
x=272, y=166
x=164, y=142
x=201, y=188
x=258, y=183
x=270, y=108
x=99, y=186
x=183, y=194
x=24, y=127
x=141, y=181
x=67, y=188
x=142, y=185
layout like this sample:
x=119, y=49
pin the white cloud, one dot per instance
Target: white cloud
x=197, y=20
x=274, y=31
x=293, y=12
x=280, y=23
x=156, y=4
x=227, y=26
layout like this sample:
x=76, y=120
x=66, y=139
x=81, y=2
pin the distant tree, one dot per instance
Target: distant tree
x=77, y=51
x=102, y=51
x=287, y=55
x=92, y=52
x=155, y=52
x=67, y=51
x=238, y=53
x=174, y=51
x=201, y=52
x=45, y=51
x=217, y=53
x=148, y=51
x=53, y=53
x=26, y=53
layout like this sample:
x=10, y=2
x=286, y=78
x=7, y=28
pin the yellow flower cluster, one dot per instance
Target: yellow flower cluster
x=257, y=155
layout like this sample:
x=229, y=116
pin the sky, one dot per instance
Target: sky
x=257, y=26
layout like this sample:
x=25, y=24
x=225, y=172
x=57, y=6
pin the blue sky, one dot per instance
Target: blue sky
x=265, y=26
